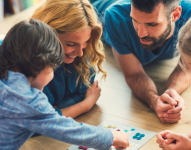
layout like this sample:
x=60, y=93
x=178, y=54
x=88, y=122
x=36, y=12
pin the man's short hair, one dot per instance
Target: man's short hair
x=148, y=6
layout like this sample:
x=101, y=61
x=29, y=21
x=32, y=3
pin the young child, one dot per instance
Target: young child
x=28, y=55
x=169, y=140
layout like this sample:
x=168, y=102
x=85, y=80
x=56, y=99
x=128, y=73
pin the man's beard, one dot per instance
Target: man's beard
x=157, y=42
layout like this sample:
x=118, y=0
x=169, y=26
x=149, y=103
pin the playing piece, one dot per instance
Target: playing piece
x=137, y=136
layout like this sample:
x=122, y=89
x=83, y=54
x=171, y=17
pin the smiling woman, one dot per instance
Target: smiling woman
x=73, y=90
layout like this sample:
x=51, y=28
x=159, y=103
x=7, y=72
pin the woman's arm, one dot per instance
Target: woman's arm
x=91, y=97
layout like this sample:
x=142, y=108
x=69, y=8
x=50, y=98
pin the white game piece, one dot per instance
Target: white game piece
x=109, y=126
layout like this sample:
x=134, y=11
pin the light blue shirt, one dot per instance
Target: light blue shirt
x=25, y=110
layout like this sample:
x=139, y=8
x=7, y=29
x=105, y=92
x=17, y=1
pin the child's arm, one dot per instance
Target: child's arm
x=169, y=140
x=47, y=122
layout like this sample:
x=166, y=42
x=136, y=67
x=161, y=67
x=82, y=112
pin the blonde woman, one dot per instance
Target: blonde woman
x=169, y=140
x=28, y=55
x=73, y=90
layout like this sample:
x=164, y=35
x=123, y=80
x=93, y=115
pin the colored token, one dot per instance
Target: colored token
x=134, y=137
x=84, y=148
x=113, y=126
x=137, y=134
x=138, y=138
x=125, y=130
x=142, y=135
x=132, y=129
x=118, y=130
x=109, y=126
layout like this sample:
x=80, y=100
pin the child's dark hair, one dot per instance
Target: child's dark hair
x=29, y=47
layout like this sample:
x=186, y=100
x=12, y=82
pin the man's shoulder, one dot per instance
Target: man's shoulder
x=119, y=11
x=186, y=8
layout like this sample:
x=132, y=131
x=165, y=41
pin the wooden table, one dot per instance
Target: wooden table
x=117, y=102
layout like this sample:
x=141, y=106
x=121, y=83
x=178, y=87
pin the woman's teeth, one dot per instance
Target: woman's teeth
x=71, y=56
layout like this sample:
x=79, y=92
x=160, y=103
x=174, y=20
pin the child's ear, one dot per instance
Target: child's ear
x=176, y=13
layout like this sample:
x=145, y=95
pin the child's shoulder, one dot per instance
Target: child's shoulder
x=17, y=87
x=20, y=100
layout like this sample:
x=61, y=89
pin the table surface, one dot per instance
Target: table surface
x=117, y=102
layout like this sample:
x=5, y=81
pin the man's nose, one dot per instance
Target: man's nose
x=142, y=31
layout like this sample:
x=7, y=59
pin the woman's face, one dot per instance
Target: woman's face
x=73, y=44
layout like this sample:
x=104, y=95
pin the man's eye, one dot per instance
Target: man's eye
x=70, y=45
x=152, y=25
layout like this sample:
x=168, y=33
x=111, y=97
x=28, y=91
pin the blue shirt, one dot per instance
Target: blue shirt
x=25, y=110
x=120, y=33
x=62, y=90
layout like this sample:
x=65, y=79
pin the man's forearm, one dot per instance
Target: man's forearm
x=179, y=80
x=143, y=87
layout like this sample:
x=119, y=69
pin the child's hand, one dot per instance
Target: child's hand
x=161, y=137
x=179, y=142
x=92, y=95
x=169, y=140
x=120, y=139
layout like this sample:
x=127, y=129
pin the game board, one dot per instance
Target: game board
x=137, y=137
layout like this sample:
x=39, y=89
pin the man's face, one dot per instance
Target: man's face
x=153, y=29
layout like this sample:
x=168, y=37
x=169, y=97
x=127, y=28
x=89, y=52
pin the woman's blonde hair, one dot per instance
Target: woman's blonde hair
x=73, y=16
x=184, y=42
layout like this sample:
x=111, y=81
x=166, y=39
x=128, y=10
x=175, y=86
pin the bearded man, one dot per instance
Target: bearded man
x=143, y=31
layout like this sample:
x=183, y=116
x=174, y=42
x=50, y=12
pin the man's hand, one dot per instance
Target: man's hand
x=162, y=104
x=175, y=114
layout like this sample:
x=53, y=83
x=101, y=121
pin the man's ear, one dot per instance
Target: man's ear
x=176, y=13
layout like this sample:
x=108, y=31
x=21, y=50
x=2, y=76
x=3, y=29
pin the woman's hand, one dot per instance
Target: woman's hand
x=92, y=95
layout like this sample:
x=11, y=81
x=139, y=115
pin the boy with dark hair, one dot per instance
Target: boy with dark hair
x=143, y=31
x=28, y=55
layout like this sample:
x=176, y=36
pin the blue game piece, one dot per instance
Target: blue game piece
x=134, y=137
x=139, y=138
x=132, y=129
x=142, y=135
x=125, y=130
x=138, y=134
